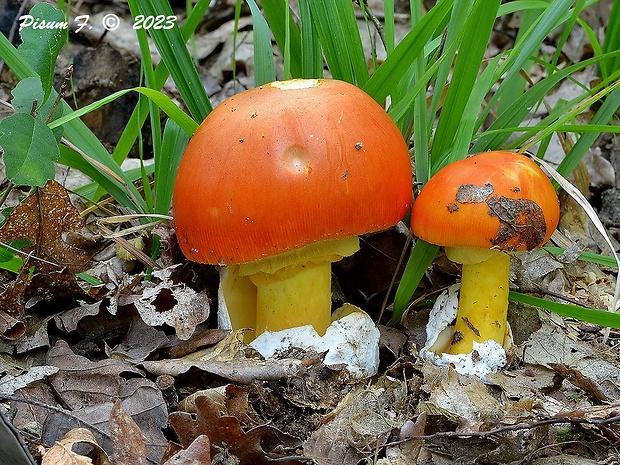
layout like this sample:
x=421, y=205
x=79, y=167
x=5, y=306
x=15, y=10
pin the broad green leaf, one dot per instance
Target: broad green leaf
x=78, y=134
x=30, y=150
x=10, y=261
x=28, y=93
x=40, y=43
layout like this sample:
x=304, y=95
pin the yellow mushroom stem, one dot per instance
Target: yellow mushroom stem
x=483, y=298
x=285, y=291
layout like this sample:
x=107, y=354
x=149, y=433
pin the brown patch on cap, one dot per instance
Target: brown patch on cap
x=469, y=193
x=521, y=222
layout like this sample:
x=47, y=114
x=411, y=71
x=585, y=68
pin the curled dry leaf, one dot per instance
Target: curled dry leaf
x=198, y=452
x=242, y=371
x=62, y=452
x=463, y=399
x=173, y=304
x=81, y=382
x=140, y=341
x=11, y=328
x=39, y=224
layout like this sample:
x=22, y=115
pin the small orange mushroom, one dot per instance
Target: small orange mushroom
x=277, y=183
x=478, y=209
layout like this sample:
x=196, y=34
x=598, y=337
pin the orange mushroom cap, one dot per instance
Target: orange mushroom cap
x=287, y=164
x=493, y=199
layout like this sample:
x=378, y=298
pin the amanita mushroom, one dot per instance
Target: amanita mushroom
x=480, y=208
x=277, y=183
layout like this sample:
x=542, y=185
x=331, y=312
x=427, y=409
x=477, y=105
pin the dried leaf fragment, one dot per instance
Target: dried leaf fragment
x=39, y=225
x=256, y=446
x=128, y=442
x=173, y=304
x=198, y=453
x=62, y=452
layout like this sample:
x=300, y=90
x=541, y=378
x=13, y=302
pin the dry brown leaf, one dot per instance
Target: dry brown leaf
x=258, y=446
x=173, y=304
x=202, y=337
x=11, y=328
x=62, y=452
x=365, y=416
x=406, y=451
x=88, y=387
x=463, y=399
x=40, y=222
x=83, y=383
x=198, y=453
x=128, y=442
x=69, y=319
x=140, y=341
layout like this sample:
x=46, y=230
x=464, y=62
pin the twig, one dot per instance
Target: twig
x=364, y=6
x=393, y=280
x=509, y=428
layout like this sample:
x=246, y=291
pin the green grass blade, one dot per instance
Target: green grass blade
x=121, y=191
x=171, y=46
x=139, y=115
x=389, y=23
x=340, y=38
x=385, y=80
x=529, y=45
x=587, y=257
x=422, y=255
x=174, y=142
x=420, y=111
x=597, y=317
x=264, y=70
x=518, y=110
x=452, y=39
x=311, y=52
x=162, y=101
x=478, y=28
x=611, y=42
x=282, y=25
x=527, y=19
x=610, y=106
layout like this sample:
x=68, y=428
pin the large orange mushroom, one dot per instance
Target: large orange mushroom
x=480, y=208
x=277, y=183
